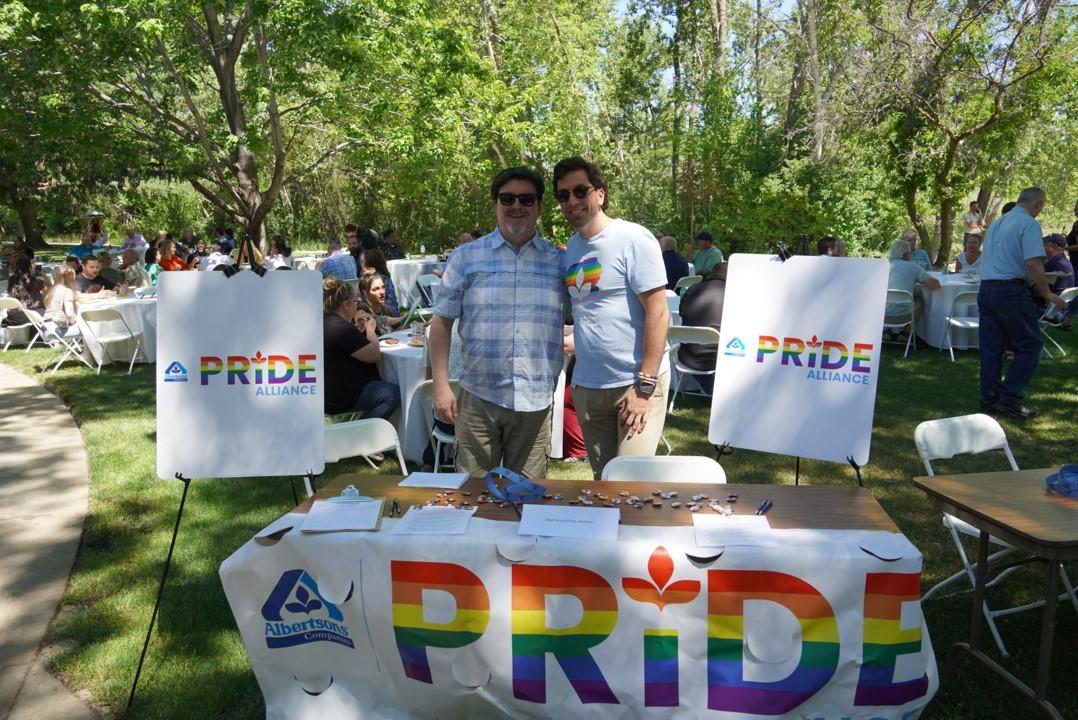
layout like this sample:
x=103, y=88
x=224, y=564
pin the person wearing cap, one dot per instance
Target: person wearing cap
x=1056, y=262
x=707, y=255
x=1012, y=253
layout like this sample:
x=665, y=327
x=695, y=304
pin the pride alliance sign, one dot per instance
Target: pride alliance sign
x=823, y=360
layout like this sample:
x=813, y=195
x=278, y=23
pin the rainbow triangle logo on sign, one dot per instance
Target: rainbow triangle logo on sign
x=176, y=372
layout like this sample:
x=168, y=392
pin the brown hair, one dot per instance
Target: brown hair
x=365, y=283
x=335, y=292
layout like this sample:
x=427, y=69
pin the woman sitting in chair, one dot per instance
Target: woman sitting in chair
x=61, y=306
x=375, y=262
x=353, y=383
x=372, y=293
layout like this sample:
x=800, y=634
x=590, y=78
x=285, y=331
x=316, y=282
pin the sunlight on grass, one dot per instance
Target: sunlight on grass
x=197, y=666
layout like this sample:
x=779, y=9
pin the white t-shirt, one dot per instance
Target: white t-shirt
x=971, y=219
x=605, y=275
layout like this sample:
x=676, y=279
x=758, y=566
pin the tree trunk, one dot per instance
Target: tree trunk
x=719, y=31
x=675, y=144
x=910, y=196
x=816, y=76
x=24, y=208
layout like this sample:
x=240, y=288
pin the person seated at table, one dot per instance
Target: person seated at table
x=462, y=239
x=169, y=261
x=107, y=271
x=352, y=381
x=825, y=246
x=906, y=275
x=133, y=272
x=701, y=306
x=74, y=263
x=372, y=298
x=917, y=255
x=280, y=254
x=187, y=241
x=26, y=287
x=677, y=266
x=1056, y=262
x=338, y=263
x=391, y=249
x=84, y=249
x=196, y=256
x=61, y=301
x=969, y=260
x=133, y=240
x=153, y=269
x=375, y=262
x=90, y=280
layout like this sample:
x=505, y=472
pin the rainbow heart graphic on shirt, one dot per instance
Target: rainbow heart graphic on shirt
x=583, y=277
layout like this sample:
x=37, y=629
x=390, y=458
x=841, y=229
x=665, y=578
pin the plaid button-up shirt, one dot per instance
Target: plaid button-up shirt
x=511, y=311
x=340, y=265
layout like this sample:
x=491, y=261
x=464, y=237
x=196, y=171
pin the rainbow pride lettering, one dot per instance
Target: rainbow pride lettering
x=727, y=688
x=270, y=369
x=885, y=640
x=660, y=668
x=414, y=635
x=532, y=639
x=815, y=353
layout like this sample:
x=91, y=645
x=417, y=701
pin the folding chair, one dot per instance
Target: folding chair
x=8, y=304
x=897, y=323
x=687, y=335
x=360, y=438
x=665, y=468
x=438, y=435
x=973, y=434
x=64, y=340
x=110, y=315
x=1049, y=318
x=686, y=282
x=962, y=300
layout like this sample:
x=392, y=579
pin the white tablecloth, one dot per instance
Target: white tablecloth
x=405, y=274
x=140, y=314
x=932, y=326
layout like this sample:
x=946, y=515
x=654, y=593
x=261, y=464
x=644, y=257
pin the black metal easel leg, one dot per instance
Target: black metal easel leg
x=723, y=449
x=160, y=588
x=856, y=469
x=797, y=470
x=295, y=498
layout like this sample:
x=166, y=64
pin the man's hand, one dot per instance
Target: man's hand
x=445, y=403
x=1059, y=302
x=633, y=413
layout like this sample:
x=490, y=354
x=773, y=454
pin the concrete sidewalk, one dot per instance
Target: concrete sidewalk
x=44, y=497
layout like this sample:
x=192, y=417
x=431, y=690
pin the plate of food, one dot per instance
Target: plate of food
x=390, y=341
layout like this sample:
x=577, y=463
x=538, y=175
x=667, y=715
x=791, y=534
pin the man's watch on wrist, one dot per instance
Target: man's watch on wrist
x=646, y=384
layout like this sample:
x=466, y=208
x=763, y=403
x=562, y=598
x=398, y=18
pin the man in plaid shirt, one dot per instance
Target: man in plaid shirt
x=338, y=263
x=508, y=293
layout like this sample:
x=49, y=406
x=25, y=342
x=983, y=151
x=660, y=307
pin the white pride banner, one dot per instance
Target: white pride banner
x=799, y=356
x=239, y=374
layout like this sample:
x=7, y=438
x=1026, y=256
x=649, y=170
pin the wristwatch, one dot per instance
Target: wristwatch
x=646, y=384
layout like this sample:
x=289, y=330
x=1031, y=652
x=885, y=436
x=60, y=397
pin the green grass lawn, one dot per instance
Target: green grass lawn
x=197, y=666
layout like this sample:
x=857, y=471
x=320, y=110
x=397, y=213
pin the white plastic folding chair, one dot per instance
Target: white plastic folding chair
x=440, y=437
x=145, y=292
x=426, y=294
x=964, y=435
x=664, y=468
x=64, y=340
x=1051, y=318
x=8, y=305
x=111, y=337
x=360, y=438
x=686, y=282
x=961, y=303
x=687, y=335
x=428, y=287
x=897, y=323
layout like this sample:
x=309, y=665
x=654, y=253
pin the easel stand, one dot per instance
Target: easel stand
x=849, y=459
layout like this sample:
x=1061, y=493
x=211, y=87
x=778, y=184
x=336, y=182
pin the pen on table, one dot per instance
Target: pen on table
x=763, y=507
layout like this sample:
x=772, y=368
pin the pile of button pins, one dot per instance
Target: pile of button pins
x=589, y=497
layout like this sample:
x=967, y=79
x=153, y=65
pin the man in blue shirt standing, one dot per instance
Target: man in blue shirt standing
x=507, y=292
x=1013, y=252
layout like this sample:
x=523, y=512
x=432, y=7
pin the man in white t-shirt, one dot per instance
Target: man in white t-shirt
x=617, y=285
x=972, y=221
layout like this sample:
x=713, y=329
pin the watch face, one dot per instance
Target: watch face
x=646, y=387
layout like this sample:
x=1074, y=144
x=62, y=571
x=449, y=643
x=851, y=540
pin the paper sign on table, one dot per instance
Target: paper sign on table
x=590, y=523
x=341, y=514
x=453, y=481
x=726, y=530
x=434, y=520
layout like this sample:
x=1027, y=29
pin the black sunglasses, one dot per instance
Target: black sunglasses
x=526, y=199
x=579, y=192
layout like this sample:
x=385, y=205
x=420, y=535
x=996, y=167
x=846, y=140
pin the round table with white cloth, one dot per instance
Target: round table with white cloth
x=406, y=366
x=405, y=274
x=140, y=314
x=932, y=326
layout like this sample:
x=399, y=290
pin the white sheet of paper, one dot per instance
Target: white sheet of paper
x=725, y=530
x=590, y=523
x=453, y=481
x=433, y=520
x=340, y=514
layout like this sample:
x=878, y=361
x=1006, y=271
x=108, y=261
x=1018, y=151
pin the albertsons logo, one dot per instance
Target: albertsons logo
x=735, y=347
x=176, y=372
x=297, y=614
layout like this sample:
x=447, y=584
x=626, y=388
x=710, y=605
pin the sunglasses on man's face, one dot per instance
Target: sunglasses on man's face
x=525, y=199
x=579, y=192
